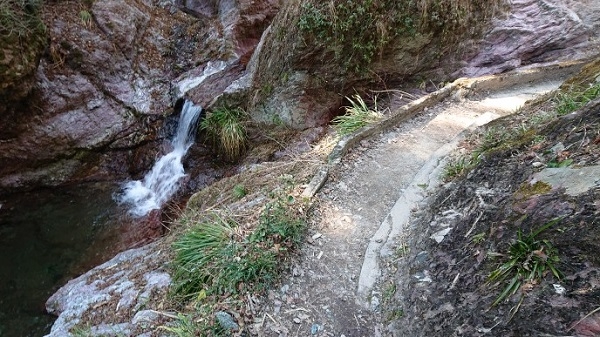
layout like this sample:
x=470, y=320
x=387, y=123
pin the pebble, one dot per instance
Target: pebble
x=226, y=321
x=537, y=164
x=297, y=320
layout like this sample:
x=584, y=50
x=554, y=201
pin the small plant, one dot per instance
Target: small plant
x=213, y=258
x=225, y=128
x=478, y=238
x=21, y=18
x=557, y=164
x=458, y=167
x=357, y=116
x=187, y=326
x=529, y=260
x=86, y=18
x=239, y=191
x=573, y=99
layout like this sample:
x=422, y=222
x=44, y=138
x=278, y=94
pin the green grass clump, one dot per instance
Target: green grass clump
x=86, y=18
x=358, y=115
x=529, y=259
x=21, y=18
x=574, y=99
x=189, y=326
x=458, y=167
x=226, y=129
x=239, y=191
x=214, y=258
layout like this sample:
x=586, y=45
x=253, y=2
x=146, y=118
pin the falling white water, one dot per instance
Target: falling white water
x=159, y=185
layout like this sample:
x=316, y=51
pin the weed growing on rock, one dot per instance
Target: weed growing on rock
x=21, y=18
x=529, y=260
x=358, y=115
x=357, y=31
x=573, y=98
x=226, y=129
x=86, y=18
x=457, y=167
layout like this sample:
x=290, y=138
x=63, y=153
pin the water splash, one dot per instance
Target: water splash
x=159, y=185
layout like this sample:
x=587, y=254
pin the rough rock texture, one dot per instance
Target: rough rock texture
x=104, y=84
x=120, y=289
x=537, y=31
x=299, y=85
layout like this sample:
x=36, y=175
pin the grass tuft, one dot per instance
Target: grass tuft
x=574, y=99
x=529, y=260
x=358, y=115
x=239, y=191
x=226, y=130
x=216, y=258
x=21, y=18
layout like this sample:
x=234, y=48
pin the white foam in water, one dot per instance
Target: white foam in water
x=159, y=185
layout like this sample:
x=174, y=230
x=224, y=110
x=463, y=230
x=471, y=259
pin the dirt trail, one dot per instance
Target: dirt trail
x=359, y=213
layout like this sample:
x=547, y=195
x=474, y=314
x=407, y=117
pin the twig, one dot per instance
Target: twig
x=473, y=226
x=297, y=309
x=274, y=321
x=584, y=317
x=454, y=281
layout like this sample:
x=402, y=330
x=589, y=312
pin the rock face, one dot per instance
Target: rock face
x=112, y=70
x=298, y=83
x=104, y=84
x=119, y=288
x=537, y=31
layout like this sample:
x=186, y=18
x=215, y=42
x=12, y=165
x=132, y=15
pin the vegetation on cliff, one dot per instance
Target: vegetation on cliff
x=22, y=40
x=358, y=32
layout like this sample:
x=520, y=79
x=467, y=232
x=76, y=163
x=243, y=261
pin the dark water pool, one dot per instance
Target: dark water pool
x=47, y=237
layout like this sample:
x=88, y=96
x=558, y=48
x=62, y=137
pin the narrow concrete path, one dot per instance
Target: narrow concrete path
x=362, y=209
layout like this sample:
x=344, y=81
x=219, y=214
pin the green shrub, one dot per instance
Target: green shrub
x=226, y=129
x=212, y=258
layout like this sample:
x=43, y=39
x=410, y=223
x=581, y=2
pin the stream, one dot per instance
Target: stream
x=46, y=237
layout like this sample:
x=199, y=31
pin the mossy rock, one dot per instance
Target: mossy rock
x=589, y=74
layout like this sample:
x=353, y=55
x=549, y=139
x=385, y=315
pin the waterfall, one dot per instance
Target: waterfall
x=159, y=185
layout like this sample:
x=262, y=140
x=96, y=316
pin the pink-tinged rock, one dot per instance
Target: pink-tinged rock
x=241, y=22
x=213, y=86
x=537, y=31
x=589, y=327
